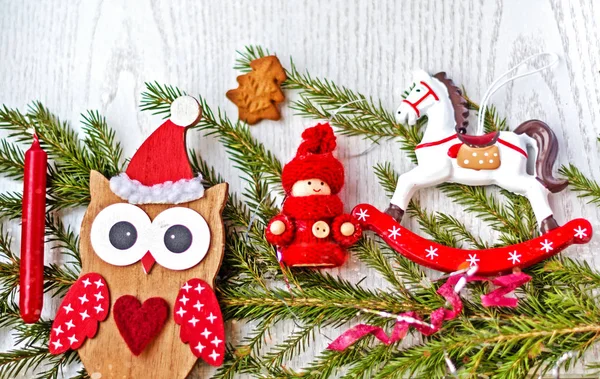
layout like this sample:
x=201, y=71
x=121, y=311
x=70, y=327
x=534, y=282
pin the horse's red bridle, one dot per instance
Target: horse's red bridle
x=429, y=92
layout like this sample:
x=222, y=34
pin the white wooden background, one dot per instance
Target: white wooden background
x=79, y=55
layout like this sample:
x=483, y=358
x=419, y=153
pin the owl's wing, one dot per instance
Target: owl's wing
x=198, y=313
x=85, y=305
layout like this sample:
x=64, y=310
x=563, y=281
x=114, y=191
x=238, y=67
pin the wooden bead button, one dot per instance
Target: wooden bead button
x=347, y=229
x=277, y=227
x=320, y=229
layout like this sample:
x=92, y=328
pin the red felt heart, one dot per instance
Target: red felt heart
x=137, y=323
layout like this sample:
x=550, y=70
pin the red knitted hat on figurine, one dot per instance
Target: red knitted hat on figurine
x=314, y=160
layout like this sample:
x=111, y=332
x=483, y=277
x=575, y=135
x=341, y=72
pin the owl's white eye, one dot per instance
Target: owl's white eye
x=118, y=234
x=180, y=239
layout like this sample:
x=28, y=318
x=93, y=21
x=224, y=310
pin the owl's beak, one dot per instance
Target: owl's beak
x=147, y=262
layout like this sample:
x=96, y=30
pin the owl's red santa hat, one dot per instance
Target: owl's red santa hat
x=160, y=172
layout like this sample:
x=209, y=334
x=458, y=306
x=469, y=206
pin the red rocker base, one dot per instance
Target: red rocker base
x=490, y=262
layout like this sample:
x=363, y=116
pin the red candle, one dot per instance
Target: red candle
x=32, y=233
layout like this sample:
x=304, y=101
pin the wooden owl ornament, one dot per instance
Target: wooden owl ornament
x=152, y=241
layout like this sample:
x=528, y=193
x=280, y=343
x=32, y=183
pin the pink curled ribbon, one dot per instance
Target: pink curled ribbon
x=449, y=291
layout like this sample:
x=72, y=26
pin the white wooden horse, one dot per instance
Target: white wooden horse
x=441, y=101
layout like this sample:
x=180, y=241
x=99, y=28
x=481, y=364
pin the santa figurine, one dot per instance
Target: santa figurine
x=312, y=230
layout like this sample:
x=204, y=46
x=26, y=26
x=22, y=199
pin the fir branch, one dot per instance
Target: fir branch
x=67, y=189
x=243, y=363
x=12, y=160
x=388, y=178
x=9, y=269
x=521, y=345
x=100, y=140
x=453, y=226
x=27, y=359
x=586, y=188
x=81, y=374
x=296, y=343
x=376, y=256
x=10, y=205
x=58, y=279
x=73, y=160
x=492, y=121
x=332, y=299
x=329, y=362
x=158, y=98
x=569, y=274
x=57, y=363
x=486, y=207
x=248, y=154
x=62, y=237
x=359, y=115
x=32, y=334
x=370, y=362
x=429, y=223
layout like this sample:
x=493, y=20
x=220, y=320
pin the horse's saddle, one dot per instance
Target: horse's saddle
x=479, y=141
x=477, y=152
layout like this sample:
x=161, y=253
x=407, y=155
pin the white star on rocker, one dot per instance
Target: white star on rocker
x=216, y=341
x=206, y=333
x=184, y=300
x=99, y=283
x=181, y=312
x=431, y=252
x=69, y=324
x=86, y=283
x=99, y=308
x=68, y=308
x=200, y=347
x=394, y=232
x=362, y=215
x=98, y=296
x=214, y=355
x=514, y=257
x=57, y=344
x=193, y=321
x=58, y=330
x=473, y=260
x=546, y=246
x=580, y=232
x=84, y=315
x=186, y=287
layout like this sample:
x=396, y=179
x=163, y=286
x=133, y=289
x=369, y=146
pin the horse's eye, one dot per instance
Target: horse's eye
x=418, y=90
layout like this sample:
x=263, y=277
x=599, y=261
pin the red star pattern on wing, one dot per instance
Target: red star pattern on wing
x=86, y=304
x=198, y=313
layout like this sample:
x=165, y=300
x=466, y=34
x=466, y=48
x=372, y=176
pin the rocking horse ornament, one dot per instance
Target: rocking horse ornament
x=448, y=154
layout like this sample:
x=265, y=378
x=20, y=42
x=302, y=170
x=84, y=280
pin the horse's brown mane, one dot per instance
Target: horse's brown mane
x=461, y=112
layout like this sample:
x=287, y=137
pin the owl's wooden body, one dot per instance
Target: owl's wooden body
x=107, y=355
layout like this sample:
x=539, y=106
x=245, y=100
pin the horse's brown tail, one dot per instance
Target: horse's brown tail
x=547, y=151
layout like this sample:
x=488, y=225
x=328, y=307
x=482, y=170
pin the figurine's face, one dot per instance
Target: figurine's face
x=310, y=187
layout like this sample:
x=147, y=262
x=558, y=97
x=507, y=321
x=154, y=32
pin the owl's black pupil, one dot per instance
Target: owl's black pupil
x=122, y=235
x=178, y=239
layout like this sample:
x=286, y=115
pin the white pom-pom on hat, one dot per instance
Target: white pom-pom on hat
x=185, y=111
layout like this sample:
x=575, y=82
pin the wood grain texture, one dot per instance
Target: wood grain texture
x=83, y=55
